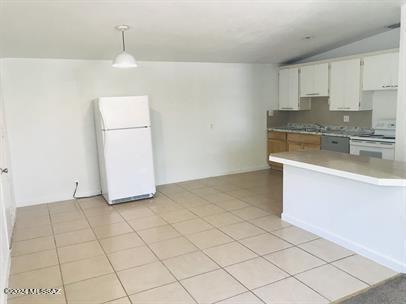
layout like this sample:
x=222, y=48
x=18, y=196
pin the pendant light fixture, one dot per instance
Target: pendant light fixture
x=124, y=60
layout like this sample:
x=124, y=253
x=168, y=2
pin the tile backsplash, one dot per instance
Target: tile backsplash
x=321, y=114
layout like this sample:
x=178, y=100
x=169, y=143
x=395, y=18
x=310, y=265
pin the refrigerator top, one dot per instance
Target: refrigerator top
x=123, y=112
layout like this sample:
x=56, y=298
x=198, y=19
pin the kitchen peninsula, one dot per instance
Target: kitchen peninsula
x=355, y=201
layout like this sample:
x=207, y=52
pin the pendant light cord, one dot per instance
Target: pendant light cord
x=122, y=36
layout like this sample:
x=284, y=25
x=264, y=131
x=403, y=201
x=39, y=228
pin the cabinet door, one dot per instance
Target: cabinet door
x=345, y=81
x=293, y=147
x=307, y=81
x=276, y=146
x=311, y=147
x=283, y=98
x=321, y=79
x=314, y=80
x=381, y=72
x=289, y=89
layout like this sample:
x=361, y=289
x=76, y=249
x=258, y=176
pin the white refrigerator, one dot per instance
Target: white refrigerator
x=123, y=132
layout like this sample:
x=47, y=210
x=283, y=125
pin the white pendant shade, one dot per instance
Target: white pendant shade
x=124, y=60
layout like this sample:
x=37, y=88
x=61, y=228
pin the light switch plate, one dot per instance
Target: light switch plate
x=346, y=118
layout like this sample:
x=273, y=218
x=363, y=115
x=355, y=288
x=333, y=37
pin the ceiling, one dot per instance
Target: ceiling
x=207, y=31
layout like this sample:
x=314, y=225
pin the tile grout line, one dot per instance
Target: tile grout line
x=284, y=271
x=106, y=256
x=223, y=268
x=186, y=236
x=238, y=241
x=202, y=250
x=217, y=228
x=164, y=265
x=57, y=255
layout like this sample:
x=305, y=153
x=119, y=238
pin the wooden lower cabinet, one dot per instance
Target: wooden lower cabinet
x=293, y=147
x=276, y=146
x=292, y=142
x=308, y=147
x=276, y=143
x=303, y=142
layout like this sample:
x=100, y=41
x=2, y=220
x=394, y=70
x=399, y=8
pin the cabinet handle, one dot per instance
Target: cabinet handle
x=286, y=108
x=344, y=108
x=312, y=94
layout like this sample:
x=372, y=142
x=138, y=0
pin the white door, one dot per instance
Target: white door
x=345, y=77
x=381, y=72
x=124, y=112
x=7, y=207
x=6, y=198
x=289, y=89
x=129, y=163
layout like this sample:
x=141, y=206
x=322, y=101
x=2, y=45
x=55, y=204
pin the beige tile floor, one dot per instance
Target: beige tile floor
x=214, y=240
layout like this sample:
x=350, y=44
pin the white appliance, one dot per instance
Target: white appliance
x=381, y=144
x=123, y=131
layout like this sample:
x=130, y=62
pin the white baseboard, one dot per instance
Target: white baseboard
x=55, y=198
x=65, y=197
x=226, y=172
x=399, y=266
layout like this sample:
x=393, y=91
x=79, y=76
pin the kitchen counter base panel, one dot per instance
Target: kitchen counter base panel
x=365, y=218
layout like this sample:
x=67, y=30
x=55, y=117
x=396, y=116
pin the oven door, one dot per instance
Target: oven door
x=384, y=150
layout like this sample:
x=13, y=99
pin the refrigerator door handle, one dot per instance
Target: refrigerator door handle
x=102, y=120
x=102, y=128
x=104, y=140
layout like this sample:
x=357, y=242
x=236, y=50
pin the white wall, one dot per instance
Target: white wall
x=383, y=41
x=50, y=120
x=384, y=105
x=400, y=148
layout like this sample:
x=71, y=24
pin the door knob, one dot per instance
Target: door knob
x=5, y=170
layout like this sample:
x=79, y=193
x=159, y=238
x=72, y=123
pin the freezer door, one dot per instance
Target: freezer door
x=123, y=112
x=129, y=163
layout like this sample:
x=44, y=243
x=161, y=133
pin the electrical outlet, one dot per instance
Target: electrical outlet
x=346, y=118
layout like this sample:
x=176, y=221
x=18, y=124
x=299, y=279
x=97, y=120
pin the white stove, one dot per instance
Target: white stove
x=381, y=144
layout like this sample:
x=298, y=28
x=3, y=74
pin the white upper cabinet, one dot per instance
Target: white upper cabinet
x=289, y=91
x=314, y=80
x=381, y=72
x=345, y=87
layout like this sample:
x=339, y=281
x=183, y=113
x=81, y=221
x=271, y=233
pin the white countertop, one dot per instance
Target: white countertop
x=360, y=168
